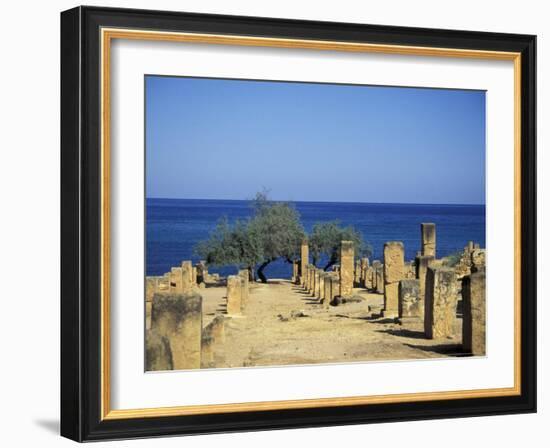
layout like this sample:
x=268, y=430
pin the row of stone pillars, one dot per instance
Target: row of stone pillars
x=431, y=296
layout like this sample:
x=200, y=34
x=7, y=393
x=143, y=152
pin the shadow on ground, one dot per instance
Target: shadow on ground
x=443, y=349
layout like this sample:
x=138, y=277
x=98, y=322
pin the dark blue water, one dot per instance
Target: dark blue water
x=175, y=226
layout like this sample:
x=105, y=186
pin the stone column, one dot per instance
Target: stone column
x=178, y=317
x=368, y=281
x=427, y=230
x=304, y=261
x=376, y=264
x=364, y=269
x=151, y=287
x=322, y=276
x=311, y=277
x=394, y=264
x=177, y=280
x=346, y=268
x=423, y=262
x=440, y=303
x=243, y=273
x=335, y=288
x=295, y=269
x=327, y=294
x=357, y=273
x=317, y=292
x=408, y=298
x=187, y=269
x=473, y=312
x=234, y=295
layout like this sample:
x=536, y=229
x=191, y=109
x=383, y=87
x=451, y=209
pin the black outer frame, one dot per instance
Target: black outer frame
x=80, y=224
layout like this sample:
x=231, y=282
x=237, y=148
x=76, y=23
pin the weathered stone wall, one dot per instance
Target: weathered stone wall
x=440, y=303
x=473, y=311
x=346, y=268
x=178, y=318
x=394, y=261
x=427, y=231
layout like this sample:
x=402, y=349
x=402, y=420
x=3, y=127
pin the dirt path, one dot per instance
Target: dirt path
x=283, y=325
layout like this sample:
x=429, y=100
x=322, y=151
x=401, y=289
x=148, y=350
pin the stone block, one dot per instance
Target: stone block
x=394, y=261
x=391, y=300
x=245, y=291
x=427, y=233
x=346, y=268
x=423, y=262
x=409, y=299
x=440, y=303
x=187, y=276
x=177, y=280
x=474, y=312
x=234, y=295
x=178, y=317
x=304, y=261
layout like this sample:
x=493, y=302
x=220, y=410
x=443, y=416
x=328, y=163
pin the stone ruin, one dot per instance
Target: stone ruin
x=425, y=290
x=176, y=338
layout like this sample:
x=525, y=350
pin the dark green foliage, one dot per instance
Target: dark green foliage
x=273, y=232
x=326, y=237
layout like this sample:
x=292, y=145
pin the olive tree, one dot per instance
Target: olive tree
x=325, y=240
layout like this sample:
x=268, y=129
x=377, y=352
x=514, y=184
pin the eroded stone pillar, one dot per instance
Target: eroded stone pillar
x=245, y=291
x=423, y=262
x=322, y=276
x=234, y=295
x=408, y=298
x=364, y=269
x=346, y=268
x=328, y=291
x=304, y=262
x=427, y=231
x=295, y=270
x=440, y=303
x=187, y=279
x=178, y=317
x=394, y=263
x=177, y=279
x=317, y=291
x=473, y=312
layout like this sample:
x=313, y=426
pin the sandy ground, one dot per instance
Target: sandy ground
x=282, y=325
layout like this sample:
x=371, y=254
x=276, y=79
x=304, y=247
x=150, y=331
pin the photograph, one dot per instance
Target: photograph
x=296, y=223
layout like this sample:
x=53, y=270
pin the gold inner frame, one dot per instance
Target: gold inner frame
x=107, y=35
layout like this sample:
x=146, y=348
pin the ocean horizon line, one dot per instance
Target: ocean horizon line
x=323, y=202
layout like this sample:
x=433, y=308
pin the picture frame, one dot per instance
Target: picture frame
x=86, y=37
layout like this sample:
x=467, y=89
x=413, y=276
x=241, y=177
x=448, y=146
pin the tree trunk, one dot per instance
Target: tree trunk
x=261, y=275
x=251, y=276
x=331, y=262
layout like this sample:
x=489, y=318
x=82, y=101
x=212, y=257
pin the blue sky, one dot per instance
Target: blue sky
x=227, y=139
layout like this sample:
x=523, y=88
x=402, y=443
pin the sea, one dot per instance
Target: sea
x=175, y=226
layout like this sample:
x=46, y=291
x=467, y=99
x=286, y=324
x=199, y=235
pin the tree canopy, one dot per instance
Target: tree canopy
x=326, y=238
x=274, y=231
